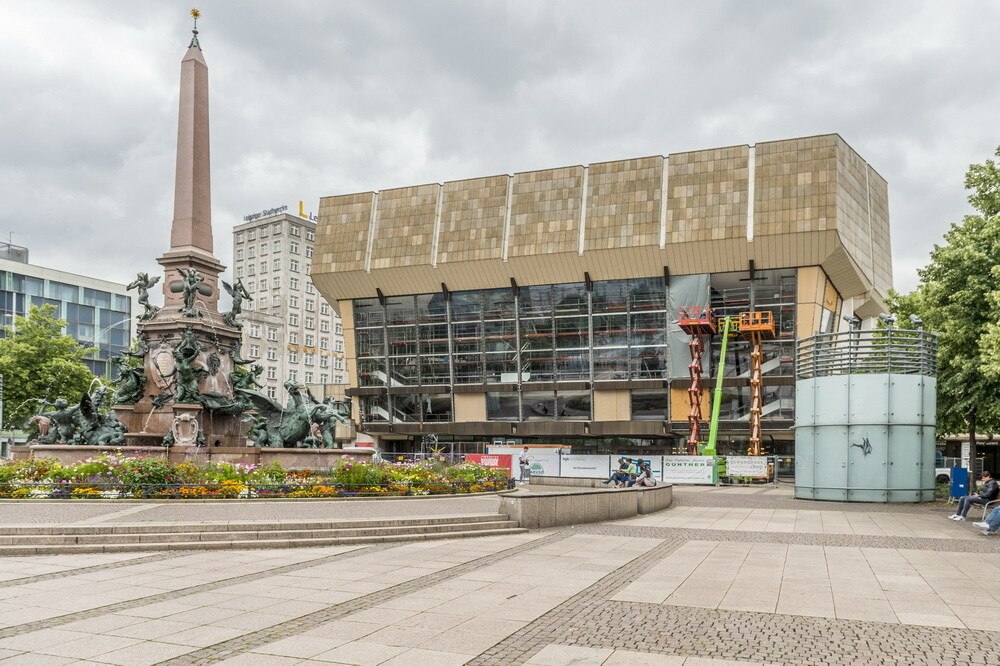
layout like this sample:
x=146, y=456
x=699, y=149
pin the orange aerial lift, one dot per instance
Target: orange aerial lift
x=699, y=323
x=755, y=327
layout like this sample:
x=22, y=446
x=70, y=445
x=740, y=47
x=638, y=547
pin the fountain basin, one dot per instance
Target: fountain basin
x=69, y=454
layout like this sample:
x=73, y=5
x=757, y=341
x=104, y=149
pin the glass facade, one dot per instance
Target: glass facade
x=95, y=318
x=544, y=346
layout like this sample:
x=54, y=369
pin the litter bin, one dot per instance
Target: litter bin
x=959, y=482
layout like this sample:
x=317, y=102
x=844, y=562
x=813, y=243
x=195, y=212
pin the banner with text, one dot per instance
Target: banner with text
x=585, y=466
x=542, y=461
x=755, y=466
x=688, y=469
x=493, y=461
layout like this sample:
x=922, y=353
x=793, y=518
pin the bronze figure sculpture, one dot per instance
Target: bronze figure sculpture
x=143, y=282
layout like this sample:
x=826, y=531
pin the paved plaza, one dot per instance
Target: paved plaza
x=727, y=575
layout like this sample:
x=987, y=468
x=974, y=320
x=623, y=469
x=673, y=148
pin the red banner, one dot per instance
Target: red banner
x=491, y=460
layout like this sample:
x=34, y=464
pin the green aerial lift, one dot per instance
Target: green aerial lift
x=708, y=449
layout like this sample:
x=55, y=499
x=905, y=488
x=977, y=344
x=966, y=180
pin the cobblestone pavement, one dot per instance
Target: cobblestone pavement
x=714, y=580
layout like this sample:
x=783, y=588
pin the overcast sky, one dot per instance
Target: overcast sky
x=317, y=98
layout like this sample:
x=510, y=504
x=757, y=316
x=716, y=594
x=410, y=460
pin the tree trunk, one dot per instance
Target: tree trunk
x=972, y=449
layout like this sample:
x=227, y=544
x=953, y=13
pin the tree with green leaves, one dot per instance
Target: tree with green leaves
x=37, y=360
x=958, y=298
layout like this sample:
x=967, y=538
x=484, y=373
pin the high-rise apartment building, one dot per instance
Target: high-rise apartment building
x=98, y=313
x=288, y=328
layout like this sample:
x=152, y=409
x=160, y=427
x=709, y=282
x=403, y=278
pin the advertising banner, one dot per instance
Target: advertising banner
x=493, y=461
x=755, y=466
x=543, y=461
x=586, y=466
x=688, y=469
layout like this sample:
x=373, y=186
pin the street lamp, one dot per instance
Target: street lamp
x=917, y=321
x=887, y=319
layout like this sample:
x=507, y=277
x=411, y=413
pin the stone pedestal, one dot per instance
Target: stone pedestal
x=314, y=459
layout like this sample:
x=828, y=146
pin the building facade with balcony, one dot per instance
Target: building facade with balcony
x=543, y=307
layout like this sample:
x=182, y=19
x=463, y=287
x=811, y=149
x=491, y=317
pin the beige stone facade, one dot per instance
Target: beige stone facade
x=816, y=202
x=808, y=217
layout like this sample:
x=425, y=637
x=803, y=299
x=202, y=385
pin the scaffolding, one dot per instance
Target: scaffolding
x=755, y=326
x=699, y=323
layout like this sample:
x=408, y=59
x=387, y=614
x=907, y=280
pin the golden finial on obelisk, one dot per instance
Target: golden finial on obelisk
x=195, y=14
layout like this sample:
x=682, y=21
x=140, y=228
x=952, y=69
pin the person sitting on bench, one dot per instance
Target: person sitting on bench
x=987, y=493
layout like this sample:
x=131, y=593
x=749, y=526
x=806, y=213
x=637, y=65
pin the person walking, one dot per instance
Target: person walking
x=525, y=465
x=987, y=493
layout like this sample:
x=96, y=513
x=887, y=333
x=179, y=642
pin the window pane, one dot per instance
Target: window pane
x=466, y=305
x=650, y=406
x=573, y=405
x=501, y=367
x=437, y=407
x=536, y=300
x=570, y=298
x=468, y=368
x=538, y=405
x=502, y=407
x=610, y=296
x=400, y=310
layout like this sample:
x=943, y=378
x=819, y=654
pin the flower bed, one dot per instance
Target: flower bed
x=120, y=477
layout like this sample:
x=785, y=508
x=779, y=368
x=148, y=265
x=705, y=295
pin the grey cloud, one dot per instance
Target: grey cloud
x=316, y=98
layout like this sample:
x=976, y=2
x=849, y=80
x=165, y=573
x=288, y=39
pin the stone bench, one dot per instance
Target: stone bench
x=540, y=510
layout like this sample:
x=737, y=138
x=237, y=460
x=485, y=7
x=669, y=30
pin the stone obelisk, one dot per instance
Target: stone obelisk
x=190, y=350
x=191, y=232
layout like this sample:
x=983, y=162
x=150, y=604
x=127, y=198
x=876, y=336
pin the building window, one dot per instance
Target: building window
x=310, y=341
x=272, y=334
x=293, y=357
x=277, y=228
x=308, y=268
x=293, y=376
x=272, y=372
x=277, y=300
x=324, y=309
x=324, y=343
x=324, y=327
x=309, y=287
x=340, y=328
x=293, y=247
x=252, y=234
x=294, y=230
x=263, y=267
x=276, y=282
x=309, y=251
x=263, y=285
x=277, y=264
x=293, y=338
x=270, y=391
x=293, y=283
x=310, y=359
x=272, y=354
x=324, y=379
x=310, y=304
x=293, y=301
x=263, y=232
x=293, y=319
x=251, y=287
x=340, y=345
x=239, y=272
x=310, y=323
x=310, y=235
x=293, y=266
x=254, y=330
x=324, y=362
x=239, y=254
x=239, y=237
x=309, y=377
x=650, y=406
x=251, y=270
x=254, y=351
x=251, y=253
x=277, y=245
x=263, y=249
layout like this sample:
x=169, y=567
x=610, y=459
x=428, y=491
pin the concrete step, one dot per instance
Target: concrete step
x=292, y=531
x=282, y=542
x=243, y=526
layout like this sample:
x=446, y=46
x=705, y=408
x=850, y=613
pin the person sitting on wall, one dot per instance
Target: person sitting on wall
x=631, y=473
x=645, y=478
x=621, y=474
x=987, y=493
